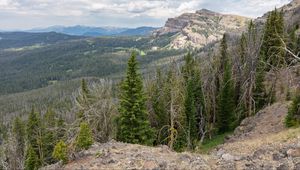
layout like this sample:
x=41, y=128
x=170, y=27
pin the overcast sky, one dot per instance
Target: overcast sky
x=24, y=14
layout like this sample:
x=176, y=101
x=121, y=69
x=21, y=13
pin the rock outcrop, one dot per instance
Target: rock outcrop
x=201, y=28
x=116, y=155
x=291, y=13
x=261, y=142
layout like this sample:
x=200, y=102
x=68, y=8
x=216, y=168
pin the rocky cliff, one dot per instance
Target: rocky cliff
x=291, y=14
x=201, y=28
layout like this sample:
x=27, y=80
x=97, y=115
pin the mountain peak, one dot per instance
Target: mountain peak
x=205, y=11
x=201, y=28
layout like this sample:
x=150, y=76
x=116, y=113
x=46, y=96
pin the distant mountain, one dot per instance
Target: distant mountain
x=21, y=39
x=137, y=31
x=96, y=31
x=198, y=29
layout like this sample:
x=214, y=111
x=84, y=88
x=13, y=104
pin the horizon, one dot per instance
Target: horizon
x=33, y=14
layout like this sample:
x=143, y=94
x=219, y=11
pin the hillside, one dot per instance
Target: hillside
x=201, y=28
x=38, y=65
x=266, y=144
x=23, y=39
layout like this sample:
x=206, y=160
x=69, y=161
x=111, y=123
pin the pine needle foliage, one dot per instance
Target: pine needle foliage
x=133, y=125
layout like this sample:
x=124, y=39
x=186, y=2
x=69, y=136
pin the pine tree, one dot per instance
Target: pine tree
x=60, y=152
x=188, y=69
x=298, y=46
x=293, y=117
x=19, y=133
x=190, y=111
x=84, y=139
x=271, y=51
x=224, y=54
x=49, y=135
x=242, y=48
x=201, y=115
x=260, y=96
x=33, y=131
x=133, y=124
x=31, y=160
x=226, y=96
x=226, y=101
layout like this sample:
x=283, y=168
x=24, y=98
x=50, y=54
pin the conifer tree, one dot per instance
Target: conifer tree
x=260, y=95
x=271, y=51
x=190, y=111
x=60, y=152
x=84, y=139
x=19, y=133
x=133, y=124
x=49, y=135
x=298, y=46
x=226, y=97
x=224, y=55
x=293, y=117
x=226, y=101
x=31, y=160
x=33, y=131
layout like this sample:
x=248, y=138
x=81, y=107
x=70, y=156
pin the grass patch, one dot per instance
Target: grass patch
x=209, y=144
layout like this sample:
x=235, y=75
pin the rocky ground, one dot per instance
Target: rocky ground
x=261, y=142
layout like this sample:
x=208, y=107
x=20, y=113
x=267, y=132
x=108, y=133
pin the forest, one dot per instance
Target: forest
x=187, y=105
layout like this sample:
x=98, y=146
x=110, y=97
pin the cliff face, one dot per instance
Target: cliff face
x=198, y=29
x=291, y=13
x=201, y=28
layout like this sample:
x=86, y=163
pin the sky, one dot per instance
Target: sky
x=26, y=14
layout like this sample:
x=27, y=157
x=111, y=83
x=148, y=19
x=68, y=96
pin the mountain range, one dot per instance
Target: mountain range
x=95, y=31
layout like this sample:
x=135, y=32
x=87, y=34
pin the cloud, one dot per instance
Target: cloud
x=118, y=12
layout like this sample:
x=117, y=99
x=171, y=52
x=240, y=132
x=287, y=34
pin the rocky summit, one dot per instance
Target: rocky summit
x=255, y=144
x=201, y=28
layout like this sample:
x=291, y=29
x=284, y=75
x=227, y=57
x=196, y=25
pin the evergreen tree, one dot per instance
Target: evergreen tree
x=272, y=50
x=33, y=131
x=189, y=67
x=298, y=46
x=60, y=152
x=201, y=115
x=133, y=124
x=260, y=96
x=49, y=135
x=19, y=133
x=226, y=103
x=224, y=54
x=84, y=139
x=242, y=48
x=190, y=111
x=293, y=117
x=31, y=160
x=226, y=96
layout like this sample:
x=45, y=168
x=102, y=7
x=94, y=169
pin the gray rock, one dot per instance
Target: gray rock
x=229, y=157
x=283, y=167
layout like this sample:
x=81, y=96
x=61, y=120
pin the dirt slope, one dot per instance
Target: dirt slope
x=261, y=142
